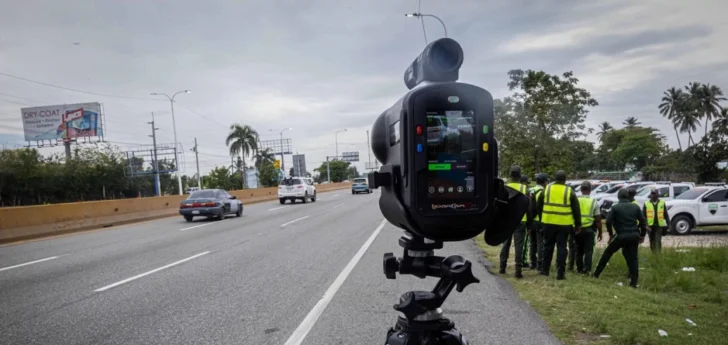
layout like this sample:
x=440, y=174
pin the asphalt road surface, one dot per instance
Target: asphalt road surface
x=294, y=274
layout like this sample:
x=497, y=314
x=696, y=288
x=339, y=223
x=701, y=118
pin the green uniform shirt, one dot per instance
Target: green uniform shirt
x=626, y=217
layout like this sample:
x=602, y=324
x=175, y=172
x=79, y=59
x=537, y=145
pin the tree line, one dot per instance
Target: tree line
x=541, y=127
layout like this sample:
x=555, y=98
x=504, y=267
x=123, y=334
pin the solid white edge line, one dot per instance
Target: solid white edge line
x=28, y=263
x=278, y=208
x=149, y=272
x=338, y=205
x=201, y=225
x=300, y=333
x=293, y=221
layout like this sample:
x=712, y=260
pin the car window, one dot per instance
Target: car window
x=290, y=182
x=664, y=192
x=680, y=189
x=691, y=194
x=614, y=189
x=203, y=194
x=644, y=190
x=718, y=196
x=360, y=180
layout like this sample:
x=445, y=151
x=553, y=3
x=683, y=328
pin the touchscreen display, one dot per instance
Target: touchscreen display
x=451, y=145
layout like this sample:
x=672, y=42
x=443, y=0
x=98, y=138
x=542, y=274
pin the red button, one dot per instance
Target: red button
x=419, y=130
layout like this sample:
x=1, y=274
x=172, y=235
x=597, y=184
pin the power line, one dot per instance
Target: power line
x=200, y=115
x=77, y=90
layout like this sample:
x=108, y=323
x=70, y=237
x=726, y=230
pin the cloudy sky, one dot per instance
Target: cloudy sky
x=320, y=66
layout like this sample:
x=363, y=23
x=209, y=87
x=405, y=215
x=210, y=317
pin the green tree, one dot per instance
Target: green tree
x=631, y=122
x=267, y=174
x=243, y=142
x=338, y=169
x=721, y=122
x=711, y=149
x=544, y=110
x=709, y=100
x=352, y=172
x=604, y=128
x=671, y=108
x=639, y=146
x=263, y=156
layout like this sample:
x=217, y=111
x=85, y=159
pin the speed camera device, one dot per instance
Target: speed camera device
x=439, y=156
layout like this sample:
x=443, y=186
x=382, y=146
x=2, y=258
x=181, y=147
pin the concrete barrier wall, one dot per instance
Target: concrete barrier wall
x=24, y=222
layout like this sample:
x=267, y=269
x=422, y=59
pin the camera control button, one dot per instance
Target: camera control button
x=485, y=147
x=419, y=148
x=441, y=189
x=431, y=189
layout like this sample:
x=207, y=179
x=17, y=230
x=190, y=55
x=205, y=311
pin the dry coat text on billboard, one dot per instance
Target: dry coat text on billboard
x=65, y=121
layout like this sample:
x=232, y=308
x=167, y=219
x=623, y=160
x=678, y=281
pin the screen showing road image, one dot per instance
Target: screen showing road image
x=450, y=154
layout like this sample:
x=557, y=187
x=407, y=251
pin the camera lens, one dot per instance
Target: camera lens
x=446, y=55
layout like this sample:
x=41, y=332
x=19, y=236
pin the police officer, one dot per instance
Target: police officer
x=657, y=219
x=559, y=210
x=536, y=230
x=629, y=223
x=527, y=241
x=519, y=235
x=591, y=224
x=631, y=193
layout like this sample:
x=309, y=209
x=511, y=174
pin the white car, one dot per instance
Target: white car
x=667, y=192
x=296, y=188
x=703, y=205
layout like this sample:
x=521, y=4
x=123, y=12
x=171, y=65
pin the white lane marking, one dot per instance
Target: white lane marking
x=28, y=263
x=293, y=221
x=150, y=272
x=201, y=225
x=278, y=208
x=300, y=333
x=339, y=205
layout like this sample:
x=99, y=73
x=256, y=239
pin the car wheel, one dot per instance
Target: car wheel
x=239, y=213
x=682, y=225
x=221, y=215
x=353, y=192
x=188, y=218
x=283, y=201
x=305, y=198
x=313, y=198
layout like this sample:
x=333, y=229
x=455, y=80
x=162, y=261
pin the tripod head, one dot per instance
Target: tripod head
x=419, y=260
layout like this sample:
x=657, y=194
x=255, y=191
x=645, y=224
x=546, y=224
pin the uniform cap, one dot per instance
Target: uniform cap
x=515, y=171
x=542, y=178
x=586, y=185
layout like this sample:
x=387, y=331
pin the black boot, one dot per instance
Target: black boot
x=519, y=274
x=502, y=270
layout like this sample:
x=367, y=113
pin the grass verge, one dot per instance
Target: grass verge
x=585, y=310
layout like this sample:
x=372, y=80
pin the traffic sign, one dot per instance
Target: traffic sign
x=277, y=164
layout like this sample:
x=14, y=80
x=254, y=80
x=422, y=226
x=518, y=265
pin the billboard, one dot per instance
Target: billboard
x=350, y=156
x=299, y=165
x=58, y=122
x=276, y=146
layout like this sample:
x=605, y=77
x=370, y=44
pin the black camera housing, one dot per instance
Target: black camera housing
x=408, y=140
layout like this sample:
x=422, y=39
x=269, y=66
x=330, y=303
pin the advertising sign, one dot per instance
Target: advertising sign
x=65, y=121
x=299, y=165
x=350, y=156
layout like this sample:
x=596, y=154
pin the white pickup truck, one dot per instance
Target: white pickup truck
x=667, y=192
x=704, y=205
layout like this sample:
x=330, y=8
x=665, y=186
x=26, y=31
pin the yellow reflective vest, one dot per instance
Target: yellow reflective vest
x=521, y=188
x=650, y=210
x=536, y=191
x=586, y=206
x=556, y=205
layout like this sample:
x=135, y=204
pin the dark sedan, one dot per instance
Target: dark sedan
x=210, y=203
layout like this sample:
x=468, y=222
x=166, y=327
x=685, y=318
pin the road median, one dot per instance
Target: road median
x=30, y=222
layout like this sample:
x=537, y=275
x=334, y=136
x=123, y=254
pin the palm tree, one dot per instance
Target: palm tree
x=689, y=121
x=709, y=103
x=604, y=128
x=263, y=156
x=631, y=122
x=721, y=122
x=670, y=108
x=243, y=142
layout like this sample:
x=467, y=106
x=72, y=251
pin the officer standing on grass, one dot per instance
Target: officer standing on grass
x=630, y=226
x=527, y=241
x=536, y=230
x=655, y=213
x=558, y=208
x=519, y=235
x=591, y=224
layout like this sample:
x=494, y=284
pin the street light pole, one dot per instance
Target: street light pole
x=420, y=15
x=337, y=141
x=283, y=166
x=174, y=127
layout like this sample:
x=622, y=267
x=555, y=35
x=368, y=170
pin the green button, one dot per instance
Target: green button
x=439, y=166
x=485, y=129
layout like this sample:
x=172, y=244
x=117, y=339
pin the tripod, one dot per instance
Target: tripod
x=422, y=321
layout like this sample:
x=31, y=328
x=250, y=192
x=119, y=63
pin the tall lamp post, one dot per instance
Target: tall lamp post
x=337, y=141
x=280, y=132
x=174, y=127
x=421, y=15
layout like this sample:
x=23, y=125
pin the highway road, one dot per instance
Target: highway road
x=294, y=274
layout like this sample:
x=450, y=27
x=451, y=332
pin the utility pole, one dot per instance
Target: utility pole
x=155, y=163
x=197, y=161
x=328, y=170
x=369, y=152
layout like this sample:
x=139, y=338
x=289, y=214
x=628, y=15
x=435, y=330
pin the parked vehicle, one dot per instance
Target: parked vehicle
x=360, y=185
x=210, y=203
x=296, y=188
x=667, y=192
x=703, y=205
